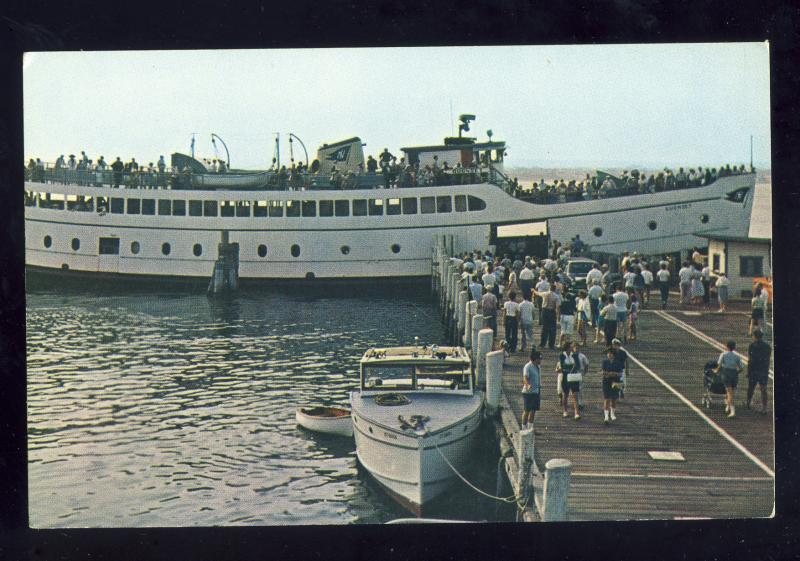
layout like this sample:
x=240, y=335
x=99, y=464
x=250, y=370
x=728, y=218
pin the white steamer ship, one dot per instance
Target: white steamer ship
x=345, y=224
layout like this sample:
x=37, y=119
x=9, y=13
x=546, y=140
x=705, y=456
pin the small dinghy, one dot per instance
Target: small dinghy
x=328, y=420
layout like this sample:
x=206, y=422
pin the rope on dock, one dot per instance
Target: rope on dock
x=510, y=499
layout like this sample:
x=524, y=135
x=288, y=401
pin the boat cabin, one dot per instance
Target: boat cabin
x=416, y=368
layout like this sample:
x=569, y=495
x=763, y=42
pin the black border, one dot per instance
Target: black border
x=40, y=25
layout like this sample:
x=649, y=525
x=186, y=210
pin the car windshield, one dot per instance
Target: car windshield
x=579, y=268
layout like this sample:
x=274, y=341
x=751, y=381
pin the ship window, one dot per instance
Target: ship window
x=76, y=244
x=135, y=248
x=652, y=225
x=48, y=241
x=260, y=208
x=179, y=208
x=598, y=232
x=410, y=205
x=360, y=207
x=166, y=248
x=326, y=208
x=134, y=206
x=243, y=209
x=79, y=203
x=276, y=209
x=474, y=203
x=342, y=208
x=148, y=206
x=392, y=206
x=376, y=207
x=30, y=199
x=210, y=208
x=309, y=208
x=109, y=246
x=345, y=249
x=226, y=209
x=53, y=201
x=195, y=208
x=395, y=248
x=197, y=250
x=295, y=250
x=164, y=207
x=704, y=219
x=102, y=204
x=117, y=205
x=292, y=208
x=444, y=204
x=428, y=205
x=262, y=250
x=461, y=203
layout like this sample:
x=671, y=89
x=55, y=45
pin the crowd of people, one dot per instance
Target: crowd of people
x=603, y=185
x=515, y=290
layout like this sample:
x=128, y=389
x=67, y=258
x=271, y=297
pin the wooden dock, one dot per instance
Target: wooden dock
x=728, y=471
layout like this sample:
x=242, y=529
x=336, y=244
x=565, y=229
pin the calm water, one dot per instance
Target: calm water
x=148, y=409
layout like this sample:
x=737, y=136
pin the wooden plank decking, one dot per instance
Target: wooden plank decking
x=728, y=470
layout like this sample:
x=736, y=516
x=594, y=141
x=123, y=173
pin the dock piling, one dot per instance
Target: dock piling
x=471, y=307
x=485, y=340
x=557, y=477
x=494, y=380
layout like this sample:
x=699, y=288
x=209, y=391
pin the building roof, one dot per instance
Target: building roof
x=724, y=238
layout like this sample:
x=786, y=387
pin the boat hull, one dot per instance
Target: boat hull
x=341, y=425
x=415, y=469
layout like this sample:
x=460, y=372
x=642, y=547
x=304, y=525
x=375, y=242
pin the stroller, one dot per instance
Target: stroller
x=713, y=388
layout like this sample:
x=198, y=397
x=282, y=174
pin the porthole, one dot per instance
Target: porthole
x=309, y=276
x=166, y=248
x=262, y=250
x=704, y=219
x=76, y=244
x=135, y=247
x=395, y=248
x=197, y=250
x=48, y=241
x=65, y=267
x=598, y=232
x=295, y=250
x=652, y=225
x=345, y=249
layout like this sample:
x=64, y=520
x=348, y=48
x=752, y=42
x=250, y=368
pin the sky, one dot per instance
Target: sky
x=587, y=105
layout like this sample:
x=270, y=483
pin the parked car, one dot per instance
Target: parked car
x=576, y=270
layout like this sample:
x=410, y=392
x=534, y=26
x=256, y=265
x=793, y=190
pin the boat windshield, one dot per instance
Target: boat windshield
x=416, y=377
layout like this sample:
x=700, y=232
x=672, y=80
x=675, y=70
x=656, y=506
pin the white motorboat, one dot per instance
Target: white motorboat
x=416, y=417
x=328, y=420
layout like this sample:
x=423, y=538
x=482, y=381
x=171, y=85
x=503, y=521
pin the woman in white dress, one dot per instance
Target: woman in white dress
x=697, y=290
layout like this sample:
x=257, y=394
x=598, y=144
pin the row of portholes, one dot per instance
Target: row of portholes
x=197, y=249
x=652, y=225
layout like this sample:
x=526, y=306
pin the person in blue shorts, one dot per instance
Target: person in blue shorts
x=611, y=385
x=531, y=388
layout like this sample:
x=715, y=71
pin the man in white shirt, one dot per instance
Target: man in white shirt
x=647, y=274
x=621, y=303
x=629, y=278
x=685, y=280
x=526, y=280
x=593, y=275
x=526, y=308
x=510, y=310
x=541, y=286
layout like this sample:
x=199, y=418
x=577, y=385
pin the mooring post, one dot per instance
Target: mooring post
x=494, y=380
x=485, y=340
x=477, y=325
x=471, y=307
x=525, y=460
x=461, y=308
x=557, y=476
